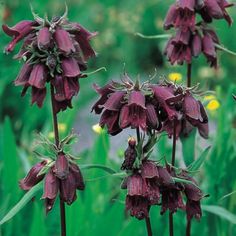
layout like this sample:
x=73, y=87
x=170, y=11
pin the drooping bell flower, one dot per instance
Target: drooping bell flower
x=215, y=9
x=53, y=52
x=179, y=108
x=33, y=177
x=51, y=188
x=61, y=176
x=44, y=38
x=126, y=104
x=181, y=14
x=18, y=32
x=208, y=46
x=171, y=192
x=193, y=195
x=143, y=190
x=134, y=113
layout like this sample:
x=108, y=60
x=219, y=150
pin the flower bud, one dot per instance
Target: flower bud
x=61, y=166
x=44, y=38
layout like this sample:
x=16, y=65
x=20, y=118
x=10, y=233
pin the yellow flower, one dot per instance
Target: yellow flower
x=97, y=129
x=62, y=127
x=175, y=77
x=213, y=105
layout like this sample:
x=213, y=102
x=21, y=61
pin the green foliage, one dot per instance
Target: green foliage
x=99, y=210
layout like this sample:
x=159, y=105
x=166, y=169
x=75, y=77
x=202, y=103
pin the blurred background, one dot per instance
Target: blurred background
x=99, y=210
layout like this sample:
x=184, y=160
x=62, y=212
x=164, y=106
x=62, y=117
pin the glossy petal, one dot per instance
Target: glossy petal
x=79, y=181
x=136, y=186
x=70, y=67
x=38, y=96
x=114, y=102
x=64, y=41
x=44, y=38
x=61, y=170
x=38, y=76
x=23, y=76
x=149, y=170
x=170, y=17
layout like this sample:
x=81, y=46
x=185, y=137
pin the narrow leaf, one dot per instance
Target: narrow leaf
x=24, y=200
x=218, y=46
x=228, y=195
x=160, y=36
x=102, y=167
x=221, y=212
x=195, y=166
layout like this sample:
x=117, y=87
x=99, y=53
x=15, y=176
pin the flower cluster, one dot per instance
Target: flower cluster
x=53, y=52
x=193, y=38
x=62, y=176
x=151, y=107
x=152, y=184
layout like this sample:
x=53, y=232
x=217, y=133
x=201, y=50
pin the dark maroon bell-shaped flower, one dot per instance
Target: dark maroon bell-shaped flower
x=53, y=52
x=134, y=113
x=143, y=190
x=33, y=177
x=44, y=38
x=215, y=9
x=18, y=32
x=171, y=192
x=178, y=107
x=181, y=14
x=62, y=176
x=126, y=105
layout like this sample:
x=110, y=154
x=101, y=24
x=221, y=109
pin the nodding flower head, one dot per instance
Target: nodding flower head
x=61, y=176
x=181, y=108
x=126, y=104
x=193, y=38
x=53, y=52
x=143, y=191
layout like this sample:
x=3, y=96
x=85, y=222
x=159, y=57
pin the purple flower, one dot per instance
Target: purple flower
x=134, y=113
x=53, y=53
x=64, y=41
x=143, y=190
x=32, y=178
x=51, y=188
x=104, y=93
x=181, y=15
x=38, y=76
x=208, y=46
x=18, y=32
x=83, y=36
x=44, y=38
x=215, y=9
x=61, y=166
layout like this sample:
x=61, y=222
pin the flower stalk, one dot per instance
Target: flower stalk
x=171, y=223
x=189, y=75
x=147, y=219
x=57, y=141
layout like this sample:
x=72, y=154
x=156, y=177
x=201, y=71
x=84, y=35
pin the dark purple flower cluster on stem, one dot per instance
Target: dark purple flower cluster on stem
x=193, y=38
x=53, y=52
x=151, y=184
x=150, y=107
x=62, y=176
